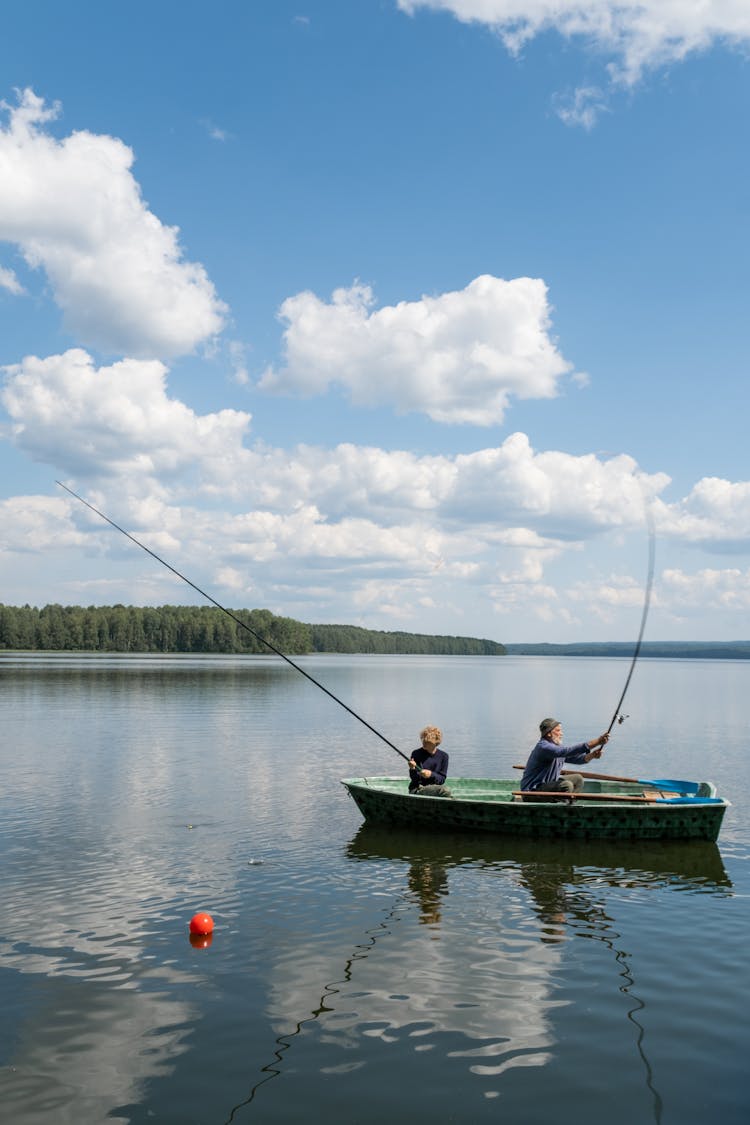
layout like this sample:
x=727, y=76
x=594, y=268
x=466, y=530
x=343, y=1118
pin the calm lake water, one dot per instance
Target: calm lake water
x=358, y=975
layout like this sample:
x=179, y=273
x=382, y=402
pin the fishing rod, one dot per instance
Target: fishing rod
x=618, y=716
x=234, y=617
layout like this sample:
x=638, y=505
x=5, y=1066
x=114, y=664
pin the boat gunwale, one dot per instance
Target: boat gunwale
x=371, y=784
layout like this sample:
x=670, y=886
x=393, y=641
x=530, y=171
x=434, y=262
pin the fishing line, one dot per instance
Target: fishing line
x=284, y=1042
x=236, y=619
x=646, y=602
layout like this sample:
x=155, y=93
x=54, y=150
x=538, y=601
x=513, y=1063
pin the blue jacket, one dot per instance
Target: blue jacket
x=437, y=762
x=546, y=761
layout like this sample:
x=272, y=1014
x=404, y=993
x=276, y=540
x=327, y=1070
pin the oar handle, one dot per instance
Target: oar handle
x=604, y=776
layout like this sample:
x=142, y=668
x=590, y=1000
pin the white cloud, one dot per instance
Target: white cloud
x=632, y=35
x=457, y=357
x=116, y=421
x=100, y=423
x=715, y=515
x=34, y=523
x=583, y=107
x=708, y=589
x=74, y=209
x=119, y=422
x=347, y=533
x=534, y=600
x=563, y=495
x=677, y=597
x=215, y=132
x=605, y=598
x=509, y=489
x=305, y=533
x=10, y=282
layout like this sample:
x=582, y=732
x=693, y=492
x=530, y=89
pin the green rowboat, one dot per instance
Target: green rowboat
x=607, y=810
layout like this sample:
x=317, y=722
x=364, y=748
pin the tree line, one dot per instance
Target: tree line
x=352, y=638
x=205, y=629
x=166, y=628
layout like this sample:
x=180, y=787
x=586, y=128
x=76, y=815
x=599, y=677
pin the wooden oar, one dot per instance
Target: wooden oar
x=649, y=799
x=658, y=783
x=560, y=795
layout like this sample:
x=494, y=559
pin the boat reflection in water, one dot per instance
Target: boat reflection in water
x=465, y=954
x=567, y=883
x=428, y=883
x=547, y=867
x=564, y=878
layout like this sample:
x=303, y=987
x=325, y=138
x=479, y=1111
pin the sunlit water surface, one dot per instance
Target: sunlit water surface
x=356, y=974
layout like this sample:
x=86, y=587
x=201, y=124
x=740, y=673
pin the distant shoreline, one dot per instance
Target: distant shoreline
x=674, y=650
x=203, y=630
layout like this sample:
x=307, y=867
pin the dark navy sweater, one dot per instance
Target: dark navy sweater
x=437, y=762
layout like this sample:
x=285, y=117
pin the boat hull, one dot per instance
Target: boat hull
x=488, y=805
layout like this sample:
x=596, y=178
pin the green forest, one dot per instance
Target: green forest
x=352, y=638
x=166, y=628
x=205, y=629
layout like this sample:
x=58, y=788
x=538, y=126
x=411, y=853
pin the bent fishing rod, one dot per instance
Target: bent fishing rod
x=233, y=616
x=618, y=716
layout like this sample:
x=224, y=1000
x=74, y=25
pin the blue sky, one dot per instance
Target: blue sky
x=390, y=312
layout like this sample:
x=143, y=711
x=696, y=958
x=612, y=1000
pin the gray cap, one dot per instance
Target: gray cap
x=547, y=725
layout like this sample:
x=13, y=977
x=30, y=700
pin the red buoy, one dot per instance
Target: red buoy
x=201, y=923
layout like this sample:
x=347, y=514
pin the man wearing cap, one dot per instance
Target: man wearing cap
x=546, y=760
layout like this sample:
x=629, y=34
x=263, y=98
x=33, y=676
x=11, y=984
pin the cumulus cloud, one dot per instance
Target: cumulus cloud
x=34, y=523
x=119, y=421
x=350, y=522
x=636, y=33
x=457, y=357
x=306, y=533
x=707, y=589
x=534, y=600
x=74, y=209
x=583, y=107
x=116, y=420
x=678, y=597
x=715, y=515
x=10, y=282
x=511, y=491
x=632, y=35
x=348, y=533
x=605, y=598
x=510, y=485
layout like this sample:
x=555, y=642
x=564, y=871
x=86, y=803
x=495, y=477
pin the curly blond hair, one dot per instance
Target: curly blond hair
x=432, y=734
